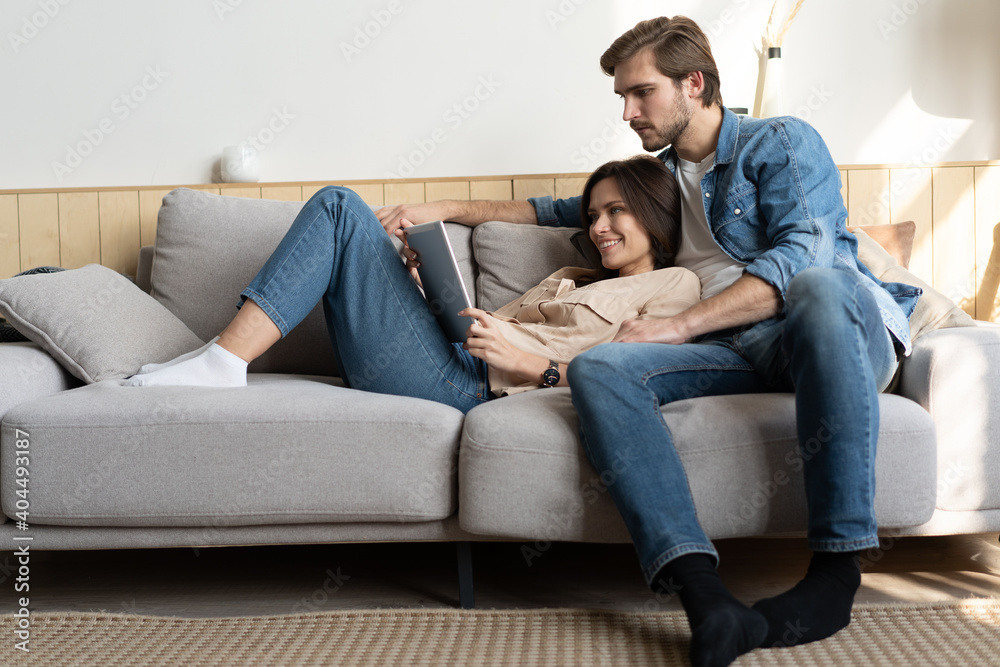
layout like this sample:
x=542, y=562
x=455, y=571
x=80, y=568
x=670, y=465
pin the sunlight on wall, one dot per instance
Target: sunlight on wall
x=931, y=137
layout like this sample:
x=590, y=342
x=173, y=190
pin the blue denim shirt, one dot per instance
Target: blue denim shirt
x=773, y=202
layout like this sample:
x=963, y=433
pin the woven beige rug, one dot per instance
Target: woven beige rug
x=951, y=635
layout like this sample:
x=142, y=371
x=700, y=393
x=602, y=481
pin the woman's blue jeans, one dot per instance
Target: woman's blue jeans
x=831, y=349
x=384, y=334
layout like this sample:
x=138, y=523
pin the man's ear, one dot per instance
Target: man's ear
x=694, y=83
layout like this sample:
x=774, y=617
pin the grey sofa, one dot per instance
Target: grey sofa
x=295, y=457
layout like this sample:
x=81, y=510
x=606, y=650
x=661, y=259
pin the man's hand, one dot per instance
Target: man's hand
x=466, y=212
x=670, y=330
x=746, y=301
x=392, y=217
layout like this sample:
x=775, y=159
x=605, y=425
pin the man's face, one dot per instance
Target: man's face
x=655, y=107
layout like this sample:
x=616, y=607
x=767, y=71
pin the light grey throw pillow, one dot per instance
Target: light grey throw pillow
x=94, y=321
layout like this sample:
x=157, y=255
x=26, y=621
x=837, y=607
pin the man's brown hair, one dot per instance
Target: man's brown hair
x=679, y=47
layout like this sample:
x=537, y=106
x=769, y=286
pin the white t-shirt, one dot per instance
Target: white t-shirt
x=698, y=251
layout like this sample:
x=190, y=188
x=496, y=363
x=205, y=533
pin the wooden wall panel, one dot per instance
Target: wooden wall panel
x=403, y=193
x=149, y=210
x=955, y=235
x=373, y=194
x=987, y=218
x=79, y=229
x=282, y=192
x=309, y=190
x=491, y=190
x=448, y=190
x=534, y=187
x=911, y=200
x=38, y=226
x=120, y=230
x=868, y=197
x=955, y=208
x=10, y=238
x=569, y=187
x=248, y=193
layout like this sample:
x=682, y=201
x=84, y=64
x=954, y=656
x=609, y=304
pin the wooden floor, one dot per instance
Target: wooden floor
x=292, y=579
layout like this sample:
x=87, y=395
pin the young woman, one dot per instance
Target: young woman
x=336, y=250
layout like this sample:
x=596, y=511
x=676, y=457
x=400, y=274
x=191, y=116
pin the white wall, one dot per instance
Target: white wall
x=144, y=92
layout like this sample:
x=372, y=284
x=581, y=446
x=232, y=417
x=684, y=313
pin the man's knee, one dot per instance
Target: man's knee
x=818, y=291
x=817, y=282
x=593, y=366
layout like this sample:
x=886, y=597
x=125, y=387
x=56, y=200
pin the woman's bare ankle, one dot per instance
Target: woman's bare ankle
x=250, y=334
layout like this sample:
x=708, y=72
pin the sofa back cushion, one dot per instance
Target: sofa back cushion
x=513, y=258
x=208, y=249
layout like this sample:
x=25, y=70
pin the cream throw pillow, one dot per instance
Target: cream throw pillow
x=934, y=310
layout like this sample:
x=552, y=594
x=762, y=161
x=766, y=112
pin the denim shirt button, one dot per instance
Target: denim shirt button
x=708, y=194
x=736, y=212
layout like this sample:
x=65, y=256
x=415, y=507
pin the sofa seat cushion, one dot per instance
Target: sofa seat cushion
x=284, y=449
x=522, y=472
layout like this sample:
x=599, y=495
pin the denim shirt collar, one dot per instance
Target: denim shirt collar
x=725, y=149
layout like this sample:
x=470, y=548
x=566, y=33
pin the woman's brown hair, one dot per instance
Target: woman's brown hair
x=650, y=194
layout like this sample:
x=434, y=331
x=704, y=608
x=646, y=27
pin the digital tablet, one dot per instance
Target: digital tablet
x=440, y=278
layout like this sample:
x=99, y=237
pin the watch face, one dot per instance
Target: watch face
x=550, y=377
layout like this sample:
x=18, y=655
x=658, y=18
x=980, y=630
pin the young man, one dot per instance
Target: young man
x=785, y=307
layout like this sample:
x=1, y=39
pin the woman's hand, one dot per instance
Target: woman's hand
x=484, y=341
x=412, y=259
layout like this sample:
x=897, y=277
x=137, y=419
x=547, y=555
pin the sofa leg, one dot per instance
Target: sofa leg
x=466, y=596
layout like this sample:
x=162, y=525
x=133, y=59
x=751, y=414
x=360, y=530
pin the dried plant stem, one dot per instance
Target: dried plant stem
x=771, y=36
x=788, y=21
x=769, y=29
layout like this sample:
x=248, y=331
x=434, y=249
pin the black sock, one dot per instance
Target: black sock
x=817, y=606
x=722, y=627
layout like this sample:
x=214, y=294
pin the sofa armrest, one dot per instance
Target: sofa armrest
x=28, y=372
x=955, y=375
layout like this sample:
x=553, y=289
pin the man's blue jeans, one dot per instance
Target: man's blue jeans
x=383, y=332
x=830, y=348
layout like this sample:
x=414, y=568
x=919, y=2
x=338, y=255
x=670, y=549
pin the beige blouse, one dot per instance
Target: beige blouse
x=558, y=320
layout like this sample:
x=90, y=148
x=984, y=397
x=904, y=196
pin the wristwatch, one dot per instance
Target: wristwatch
x=550, y=377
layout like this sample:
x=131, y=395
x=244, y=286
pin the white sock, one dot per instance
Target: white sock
x=149, y=368
x=214, y=367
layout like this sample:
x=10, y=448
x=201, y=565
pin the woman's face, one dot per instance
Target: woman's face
x=624, y=244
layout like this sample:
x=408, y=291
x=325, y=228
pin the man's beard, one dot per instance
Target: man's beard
x=668, y=133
